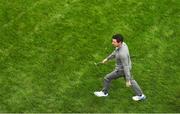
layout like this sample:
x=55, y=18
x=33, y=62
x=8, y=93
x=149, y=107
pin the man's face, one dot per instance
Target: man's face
x=115, y=43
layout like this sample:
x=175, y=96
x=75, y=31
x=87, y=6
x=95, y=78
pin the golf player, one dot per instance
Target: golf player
x=122, y=69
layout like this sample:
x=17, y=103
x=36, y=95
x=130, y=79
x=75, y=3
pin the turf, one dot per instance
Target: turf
x=48, y=49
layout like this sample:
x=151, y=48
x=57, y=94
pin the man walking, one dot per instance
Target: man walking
x=122, y=69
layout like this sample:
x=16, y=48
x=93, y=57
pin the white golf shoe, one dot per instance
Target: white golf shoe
x=138, y=98
x=100, y=94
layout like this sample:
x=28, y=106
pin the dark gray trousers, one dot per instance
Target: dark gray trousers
x=117, y=74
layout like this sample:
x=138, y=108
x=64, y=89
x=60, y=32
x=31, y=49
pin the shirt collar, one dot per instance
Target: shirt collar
x=118, y=48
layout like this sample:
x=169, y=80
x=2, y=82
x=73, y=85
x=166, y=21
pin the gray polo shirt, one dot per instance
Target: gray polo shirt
x=123, y=61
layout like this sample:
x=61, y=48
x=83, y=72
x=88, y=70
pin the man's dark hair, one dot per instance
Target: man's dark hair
x=118, y=37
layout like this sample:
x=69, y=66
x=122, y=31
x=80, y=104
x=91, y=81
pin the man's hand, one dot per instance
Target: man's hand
x=128, y=83
x=104, y=61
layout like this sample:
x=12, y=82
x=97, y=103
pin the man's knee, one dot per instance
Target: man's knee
x=133, y=82
x=107, y=78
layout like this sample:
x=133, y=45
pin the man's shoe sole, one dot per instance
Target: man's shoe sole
x=141, y=99
x=99, y=96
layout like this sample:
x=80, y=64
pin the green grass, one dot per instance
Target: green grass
x=48, y=47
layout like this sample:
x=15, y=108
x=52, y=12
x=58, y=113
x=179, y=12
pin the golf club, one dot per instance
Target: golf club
x=98, y=63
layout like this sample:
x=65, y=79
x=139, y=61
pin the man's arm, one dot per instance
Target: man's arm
x=126, y=67
x=111, y=56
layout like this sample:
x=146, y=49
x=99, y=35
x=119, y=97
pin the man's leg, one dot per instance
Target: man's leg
x=108, y=78
x=139, y=94
x=135, y=87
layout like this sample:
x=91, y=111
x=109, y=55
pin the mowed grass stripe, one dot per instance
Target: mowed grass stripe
x=61, y=88
x=20, y=15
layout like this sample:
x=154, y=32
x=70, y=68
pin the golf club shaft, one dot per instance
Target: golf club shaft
x=98, y=63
